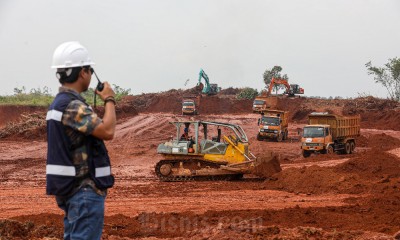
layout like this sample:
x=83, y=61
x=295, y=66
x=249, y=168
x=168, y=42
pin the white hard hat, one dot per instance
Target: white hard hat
x=71, y=54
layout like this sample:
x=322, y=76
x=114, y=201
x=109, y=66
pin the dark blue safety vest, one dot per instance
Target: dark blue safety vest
x=60, y=170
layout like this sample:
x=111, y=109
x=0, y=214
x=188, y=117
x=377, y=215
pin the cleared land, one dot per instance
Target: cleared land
x=323, y=197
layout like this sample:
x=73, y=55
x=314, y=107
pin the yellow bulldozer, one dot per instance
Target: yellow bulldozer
x=205, y=150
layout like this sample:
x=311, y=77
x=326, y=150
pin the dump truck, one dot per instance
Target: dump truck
x=259, y=104
x=273, y=124
x=189, y=107
x=210, y=151
x=328, y=133
x=263, y=102
x=191, y=104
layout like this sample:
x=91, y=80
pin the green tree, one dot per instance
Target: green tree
x=275, y=72
x=120, y=92
x=247, y=93
x=388, y=76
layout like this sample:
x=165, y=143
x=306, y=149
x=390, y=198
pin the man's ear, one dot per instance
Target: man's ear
x=81, y=72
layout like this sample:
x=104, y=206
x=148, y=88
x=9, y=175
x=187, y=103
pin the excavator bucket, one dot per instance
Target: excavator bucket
x=266, y=165
x=200, y=87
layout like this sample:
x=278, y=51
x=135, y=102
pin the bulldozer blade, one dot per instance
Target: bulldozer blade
x=266, y=166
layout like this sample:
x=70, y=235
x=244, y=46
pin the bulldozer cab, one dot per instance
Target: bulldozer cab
x=201, y=137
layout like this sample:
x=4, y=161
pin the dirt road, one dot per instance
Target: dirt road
x=323, y=197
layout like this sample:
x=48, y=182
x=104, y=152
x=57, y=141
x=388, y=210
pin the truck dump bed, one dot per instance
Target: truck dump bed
x=341, y=126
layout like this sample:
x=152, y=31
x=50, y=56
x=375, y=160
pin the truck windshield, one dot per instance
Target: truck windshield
x=271, y=121
x=188, y=104
x=258, y=102
x=310, y=132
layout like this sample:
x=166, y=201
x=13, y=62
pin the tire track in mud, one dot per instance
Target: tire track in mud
x=327, y=163
x=22, y=171
x=147, y=125
x=13, y=150
x=137, y=138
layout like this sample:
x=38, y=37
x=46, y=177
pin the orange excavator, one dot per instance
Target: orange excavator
x=291, y=89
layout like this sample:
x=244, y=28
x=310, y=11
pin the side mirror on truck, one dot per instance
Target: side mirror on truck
x=299, y=131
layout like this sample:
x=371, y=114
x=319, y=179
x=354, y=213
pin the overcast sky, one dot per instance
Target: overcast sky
x=156, y=45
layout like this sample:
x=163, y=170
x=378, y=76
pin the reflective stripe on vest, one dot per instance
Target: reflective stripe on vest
x=54, y=115
x=70, y=171
x=103, y=171
x=60, y=170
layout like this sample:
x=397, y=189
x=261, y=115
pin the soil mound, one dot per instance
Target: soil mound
x=30, y=123
x=364, y=104
x=310, y=180
x=381, y=119
x=359, y=174
x=378, y=141
x=374, y=165
x=37, y=227
x=122, y=110
x=301, y=115
x=13, y=113
x=246, y=224
x=217, y=105
x=267, y=165
x=32, y=126
x=171, y=102
x=375, y=113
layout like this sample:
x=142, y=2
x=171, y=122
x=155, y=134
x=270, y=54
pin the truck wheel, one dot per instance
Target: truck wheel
x=329, y=150
x=352, y=147
x=259, y=138
x=285, y=137
x=306, y=153
x=347, y=148
x=279, y=138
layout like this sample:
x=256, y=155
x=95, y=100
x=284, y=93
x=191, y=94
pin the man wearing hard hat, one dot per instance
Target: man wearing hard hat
x=78, y=170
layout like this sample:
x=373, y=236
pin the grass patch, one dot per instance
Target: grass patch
x=42, y=97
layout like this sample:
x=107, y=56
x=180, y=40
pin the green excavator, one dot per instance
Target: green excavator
x=208, y=88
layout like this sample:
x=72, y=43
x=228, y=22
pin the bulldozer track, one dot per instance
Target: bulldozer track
x=186, y=178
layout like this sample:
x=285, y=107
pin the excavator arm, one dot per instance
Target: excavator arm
x=276, y=81
x=291, y=89
x=206, y=88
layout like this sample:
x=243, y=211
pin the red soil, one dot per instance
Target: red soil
x=323, y=197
